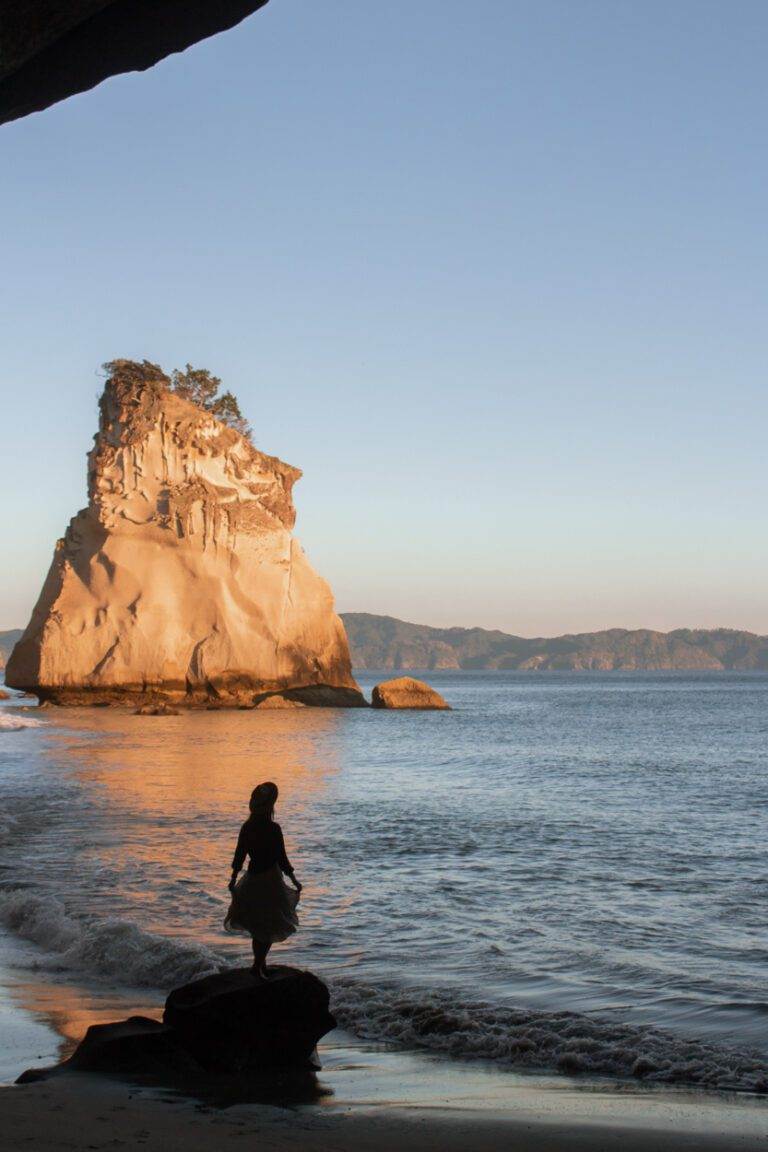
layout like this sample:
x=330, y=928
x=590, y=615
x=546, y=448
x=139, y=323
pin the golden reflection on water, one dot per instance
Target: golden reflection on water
x=176, y=788
x=206, y=761
x=164, y=798
x=71, y=1011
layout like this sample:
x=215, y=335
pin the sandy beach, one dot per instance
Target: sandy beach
x=373, y=1098
x=79, y=1112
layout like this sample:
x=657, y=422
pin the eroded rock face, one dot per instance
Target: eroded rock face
x=181, y=580
x=406, y=692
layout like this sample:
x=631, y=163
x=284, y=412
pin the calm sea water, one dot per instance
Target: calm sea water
x=567, y=871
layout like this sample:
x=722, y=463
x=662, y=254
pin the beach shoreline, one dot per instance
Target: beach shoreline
x=118, y=923
x=370, y=1097
x=78, y=1111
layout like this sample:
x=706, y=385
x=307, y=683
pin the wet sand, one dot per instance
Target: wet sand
x=81, y=1112
x=374, y=1099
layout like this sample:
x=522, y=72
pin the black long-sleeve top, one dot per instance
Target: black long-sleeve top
x=262, y=841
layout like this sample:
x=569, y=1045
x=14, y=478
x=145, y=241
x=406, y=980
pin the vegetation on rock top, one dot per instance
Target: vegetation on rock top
x=198, y=385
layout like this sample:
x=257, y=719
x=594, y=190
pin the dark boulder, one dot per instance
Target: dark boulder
x=230, y=1035
x=233, y=1021
x=137, y=1047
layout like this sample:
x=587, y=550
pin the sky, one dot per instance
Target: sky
x=493, y=275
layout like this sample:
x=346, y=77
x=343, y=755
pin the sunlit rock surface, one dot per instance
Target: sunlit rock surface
x=405, y=692
x=181, y=580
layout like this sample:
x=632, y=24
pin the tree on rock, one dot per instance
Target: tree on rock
x=197, y=385
x=202, y=388
x=136, y=372
x=227, y=409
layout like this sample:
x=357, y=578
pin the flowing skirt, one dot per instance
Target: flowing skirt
x=263, y=906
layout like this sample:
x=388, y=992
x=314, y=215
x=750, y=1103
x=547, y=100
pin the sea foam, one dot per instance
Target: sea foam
x=104, y=948
x=523, y=1038
x=13, y=723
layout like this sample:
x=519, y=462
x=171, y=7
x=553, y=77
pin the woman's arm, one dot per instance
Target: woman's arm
x=284, y=862
x=239, y=858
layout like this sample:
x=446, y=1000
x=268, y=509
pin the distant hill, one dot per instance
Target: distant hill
x=7, y=641
x=384, y=642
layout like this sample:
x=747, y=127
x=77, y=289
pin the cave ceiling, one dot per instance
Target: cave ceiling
x=51, y=49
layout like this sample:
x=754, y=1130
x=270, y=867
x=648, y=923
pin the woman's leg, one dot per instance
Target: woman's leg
x=260, y=950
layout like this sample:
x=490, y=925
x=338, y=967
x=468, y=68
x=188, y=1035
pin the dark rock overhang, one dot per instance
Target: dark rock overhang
x=51, y=49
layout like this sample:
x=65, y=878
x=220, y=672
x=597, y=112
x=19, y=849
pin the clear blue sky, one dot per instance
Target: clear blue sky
x=492, y=274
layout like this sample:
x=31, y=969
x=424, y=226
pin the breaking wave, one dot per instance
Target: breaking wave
x=518, y=1038
x=12, y=723
x=103, y=948
x=522, y=1038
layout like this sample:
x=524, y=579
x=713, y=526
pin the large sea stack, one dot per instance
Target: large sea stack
x=181, y=579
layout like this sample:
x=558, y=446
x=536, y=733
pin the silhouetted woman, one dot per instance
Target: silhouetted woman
x=262, y=903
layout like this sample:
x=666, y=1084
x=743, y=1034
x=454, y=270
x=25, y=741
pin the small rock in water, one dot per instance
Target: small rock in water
x=161, y=709
x=277, y=703
x=405, y=692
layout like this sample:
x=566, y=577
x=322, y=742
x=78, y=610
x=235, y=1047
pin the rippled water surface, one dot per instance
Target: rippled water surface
x=562, y=857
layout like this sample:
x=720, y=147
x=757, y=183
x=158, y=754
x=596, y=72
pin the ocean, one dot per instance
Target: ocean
x=567, y=873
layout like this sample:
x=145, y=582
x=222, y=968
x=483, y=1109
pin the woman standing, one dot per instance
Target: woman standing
x=262, y=903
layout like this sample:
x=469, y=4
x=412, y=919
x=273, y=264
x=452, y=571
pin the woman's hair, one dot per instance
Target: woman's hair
x=263, y=800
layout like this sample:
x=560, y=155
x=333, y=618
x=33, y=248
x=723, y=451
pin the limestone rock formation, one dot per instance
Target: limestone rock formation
x=405, y=692
x=181, y=580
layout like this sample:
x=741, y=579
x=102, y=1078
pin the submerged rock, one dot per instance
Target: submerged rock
x=277, y=703
x=161, y=709
x=405, y=692
x=320, y=696
x=181, y=580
